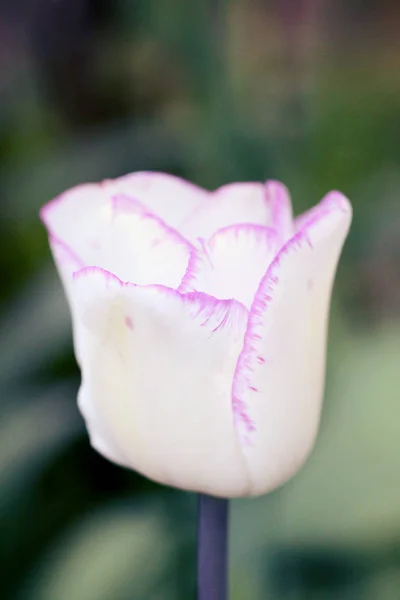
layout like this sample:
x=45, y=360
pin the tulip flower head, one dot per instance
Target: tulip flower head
x=200, y=325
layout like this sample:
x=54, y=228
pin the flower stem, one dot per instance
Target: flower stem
x=212, y=549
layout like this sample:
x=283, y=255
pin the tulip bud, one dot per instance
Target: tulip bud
x=200, y=325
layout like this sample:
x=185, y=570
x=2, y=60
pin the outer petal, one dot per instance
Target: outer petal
x=67, y=263
x=157, y=369
x=231, y=204
x=167, y=196
x=279, y=380
x=233, y=262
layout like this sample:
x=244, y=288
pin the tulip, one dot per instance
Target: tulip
x=200, y=325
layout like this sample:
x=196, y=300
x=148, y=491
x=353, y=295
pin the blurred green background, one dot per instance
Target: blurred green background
x=307, y=92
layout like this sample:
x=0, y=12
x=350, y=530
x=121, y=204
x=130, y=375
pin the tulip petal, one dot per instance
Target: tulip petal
x=117, y=233
x=280, y=205
x=167, y=196
x=232, y=204
x=65, y=259
x=278, y=384
x=67, y=263
x=142, y=249
x=80, y=219
x=157, y=369
x=233, y=262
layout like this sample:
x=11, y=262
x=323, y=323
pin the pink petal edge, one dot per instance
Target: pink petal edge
x=334, y=196
x=260, y=231
x=278, y=199
x=206, y=304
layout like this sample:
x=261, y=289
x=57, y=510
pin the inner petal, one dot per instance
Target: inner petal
x=231, y=204
x=233, y=262
x=142, y=249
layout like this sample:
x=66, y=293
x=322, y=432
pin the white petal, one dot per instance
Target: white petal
x=157, y=371
x=279, y=380
x=229, y=205
x=141, y=249
x=233, y=263
x=80, y=219
x=167, y=196
x=116, y=233
x=66, y=261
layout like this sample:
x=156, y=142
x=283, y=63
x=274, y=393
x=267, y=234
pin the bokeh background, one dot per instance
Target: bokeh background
x=307, y=92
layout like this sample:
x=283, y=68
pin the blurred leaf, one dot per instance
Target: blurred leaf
x=120, y=551
x=348, y=492
x=36, y=327
x=32, y=429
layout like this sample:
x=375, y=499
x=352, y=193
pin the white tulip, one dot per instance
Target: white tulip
x=200, y=325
